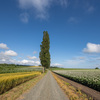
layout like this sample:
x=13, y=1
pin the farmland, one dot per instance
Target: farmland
x=12, y=75
x=90, y=78
x=10, y=80
x=11, y=68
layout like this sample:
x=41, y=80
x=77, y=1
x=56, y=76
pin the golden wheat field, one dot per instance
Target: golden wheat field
x=10, y=80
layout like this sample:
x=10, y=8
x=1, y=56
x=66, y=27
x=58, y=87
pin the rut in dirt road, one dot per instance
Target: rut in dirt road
x=46, y=89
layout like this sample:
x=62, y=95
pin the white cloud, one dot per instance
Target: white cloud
x=7, y=57
x=34, y=52
x=10, y=53
x=42, y=16
x=37, y=62
x=63, y=2
x=24, y=61
x=92, y=48
x=57, y=64
x=98, y=58
x=29, y=62
x=90, y=9
x=34, y=57
x=4, y=58
x=96, y=65
x=72, y=20
x=79, y=58
x=74, y=62
x=40, y=7
x=3, y=46
x=82, y=58
x=24, y=17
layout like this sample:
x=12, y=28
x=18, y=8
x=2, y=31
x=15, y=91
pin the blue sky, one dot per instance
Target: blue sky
x=73, y=27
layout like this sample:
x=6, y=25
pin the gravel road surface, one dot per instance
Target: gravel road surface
x=46, y=89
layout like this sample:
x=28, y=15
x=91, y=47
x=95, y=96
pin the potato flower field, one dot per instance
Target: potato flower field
x=10, y=80
x=90, y=78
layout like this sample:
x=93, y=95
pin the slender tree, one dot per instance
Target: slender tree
x=44, y=53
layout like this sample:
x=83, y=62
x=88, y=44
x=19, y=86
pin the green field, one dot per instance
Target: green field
x=88, y=77
x=12, y=75
x=57, y=68
x=10, y=80
x=11, y=68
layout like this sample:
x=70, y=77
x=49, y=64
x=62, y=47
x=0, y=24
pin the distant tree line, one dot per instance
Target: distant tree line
x=97, y=68
x=11, y=65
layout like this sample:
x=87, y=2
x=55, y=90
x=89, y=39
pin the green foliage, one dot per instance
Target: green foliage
x=11, y=68
x=58, y=68
x=96, y=68
x=44, y=53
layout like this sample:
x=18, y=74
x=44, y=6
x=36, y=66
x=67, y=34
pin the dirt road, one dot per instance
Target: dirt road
x=46, y=89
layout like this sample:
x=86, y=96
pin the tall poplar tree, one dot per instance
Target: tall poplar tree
x=44, y=53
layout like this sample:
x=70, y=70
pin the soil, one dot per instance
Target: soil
x=90, y=92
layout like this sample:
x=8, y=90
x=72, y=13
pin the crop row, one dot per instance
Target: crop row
x=90, y=78
x=20, y=69
x=8, y=81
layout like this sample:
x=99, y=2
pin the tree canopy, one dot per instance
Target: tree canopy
x=44, y=53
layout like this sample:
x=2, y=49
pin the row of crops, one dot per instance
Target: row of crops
x=11, y=68
x=10, y=80
x=90, y=78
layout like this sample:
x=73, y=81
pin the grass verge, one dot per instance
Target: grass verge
x=14, y=93
x=71, y=91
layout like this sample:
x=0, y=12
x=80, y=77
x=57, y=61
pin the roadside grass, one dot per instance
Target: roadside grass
x=14, y=93
x=71, y=92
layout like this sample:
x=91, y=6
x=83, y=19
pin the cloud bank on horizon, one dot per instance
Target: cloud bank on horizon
x=7, y=55
x=92, y=58
x=3, y=46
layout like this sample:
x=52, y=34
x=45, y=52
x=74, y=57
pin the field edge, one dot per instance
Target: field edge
x=17, y=91
x=94, y=95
